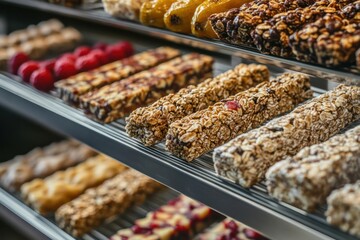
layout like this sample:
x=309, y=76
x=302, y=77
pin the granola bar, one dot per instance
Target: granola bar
x=72, y=88
x=343, y=208
x=240, y=26
x=358, y=58
x=128, y=9
x=42, y=162
x=47, y=195
x=306, y=179
x=150, y=124
x=230, y=229
x=111, y=198
x=180, y=219
x=200, y=132
x=118, y=99
x=246, y=159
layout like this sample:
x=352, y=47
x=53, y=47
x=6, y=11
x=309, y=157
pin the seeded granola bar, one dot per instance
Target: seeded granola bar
x=72, y=88
x=111, y=198
x=42, y=162
x=150, y=124
x=246, y=159
x=180, y=219
x=343, y=208
x=47, y=195
x=118, y=99
x=200, y=132
x=306, y=179
x=240, y=25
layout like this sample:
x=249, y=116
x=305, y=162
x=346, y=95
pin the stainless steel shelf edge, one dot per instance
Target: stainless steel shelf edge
x=269, y=217
x=349, y=76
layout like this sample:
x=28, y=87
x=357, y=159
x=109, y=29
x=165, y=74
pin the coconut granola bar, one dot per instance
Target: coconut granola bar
x=72, y=88
x=306, y=179
x=47, y=195
x=150, y=124
x=118, y=99
x=180, y=219
x=246, y=159
x=42, y=162
x=200, y=132
x=111, y=198
x=343, y=208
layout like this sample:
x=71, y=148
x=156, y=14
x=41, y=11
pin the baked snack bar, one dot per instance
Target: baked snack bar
x=128, y=9
x=72, y=88
x=42, y=162
x=306, y=179
x=246, y=159
x=111, y=198
x=358, y=58
x=47, y=195
x=120, y=98
x=150, y=124
x=180, y=219
x=343, y=208
x=230, y=229
x=239, y=24
x=202, y=131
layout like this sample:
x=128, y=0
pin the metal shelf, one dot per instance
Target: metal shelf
x=197, y=180
x=97, y=15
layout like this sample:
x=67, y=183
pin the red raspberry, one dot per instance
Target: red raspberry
x=16, y=61
x=232, y=105
x=100, y=45
x=100, y=55
x=252, y=234
x=86, y=63
x=127, y=47
x=48, y=64
x=231, y=225
x=68, y=57
x=42, y=79
x=115, y=53
x=64, y=69
x=27, y=69
x=82, y=51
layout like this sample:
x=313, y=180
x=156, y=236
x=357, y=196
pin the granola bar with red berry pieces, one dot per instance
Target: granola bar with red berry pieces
x=72, y=88
x=150, y=124
x=200, y=132
x=120, y=98
x=246, y=159
x=180, y=219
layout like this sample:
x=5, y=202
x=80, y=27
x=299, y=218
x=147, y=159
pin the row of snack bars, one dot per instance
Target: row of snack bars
x=84, y=189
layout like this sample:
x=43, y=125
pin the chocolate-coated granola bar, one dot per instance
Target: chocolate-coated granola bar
x=246, y=159
x=120, y=98
x=111, y=198
x=72, y=88
x=200, y=132
x=306, y=179
x=343, y=208
x=150, y=124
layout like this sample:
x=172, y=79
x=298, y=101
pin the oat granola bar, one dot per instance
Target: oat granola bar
x=306, y=179
x=240, y=26
x=180, y=219
x=47, y=195
x=118, y=99
x=42, y=162
x=111, y=198
x=200, y=132
x=72, y=88
x=150, y=124
x=343, y=208
x=246, y=159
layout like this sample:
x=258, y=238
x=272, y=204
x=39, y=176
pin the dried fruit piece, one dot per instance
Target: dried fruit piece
x=152, y=12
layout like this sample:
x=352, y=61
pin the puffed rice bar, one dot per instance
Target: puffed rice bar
x=343, y=208
x=47, y=195
x=111, y=198
x=128, y=9
x=246, y=159
x=42, y=162
x=306, y=179
x=150, y=124
x=200, y=132
x=120, y=98
x=72, y=88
